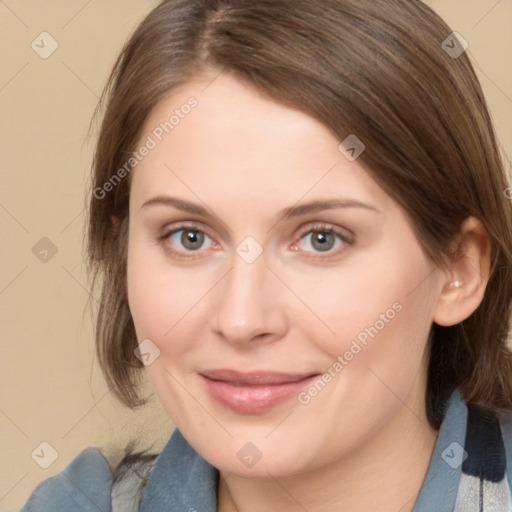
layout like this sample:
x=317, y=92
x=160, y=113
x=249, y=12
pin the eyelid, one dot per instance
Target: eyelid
x=184, y=225
x=343, y=233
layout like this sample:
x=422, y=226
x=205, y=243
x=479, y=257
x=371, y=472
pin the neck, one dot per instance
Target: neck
x=389, y=469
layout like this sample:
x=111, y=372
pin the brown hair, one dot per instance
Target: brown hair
x=374, y=69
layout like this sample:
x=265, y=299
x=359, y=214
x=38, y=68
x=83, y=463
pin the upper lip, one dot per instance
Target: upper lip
x=255, y=377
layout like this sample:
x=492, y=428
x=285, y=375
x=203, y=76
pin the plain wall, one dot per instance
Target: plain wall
x=51, y=387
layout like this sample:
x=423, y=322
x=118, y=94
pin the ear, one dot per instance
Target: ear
x=466, y=278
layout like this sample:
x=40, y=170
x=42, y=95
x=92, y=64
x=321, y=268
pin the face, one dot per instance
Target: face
x=255, y=246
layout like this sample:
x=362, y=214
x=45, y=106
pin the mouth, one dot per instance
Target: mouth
x=254, y=392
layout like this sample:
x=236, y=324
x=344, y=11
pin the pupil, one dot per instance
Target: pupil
x=192, y=239
x=323, y=241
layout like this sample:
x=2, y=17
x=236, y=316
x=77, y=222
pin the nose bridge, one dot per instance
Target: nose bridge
x=248, y=304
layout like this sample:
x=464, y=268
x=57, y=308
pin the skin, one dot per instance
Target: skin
x=364, y=439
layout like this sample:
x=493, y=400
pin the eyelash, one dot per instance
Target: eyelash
x=317, y=228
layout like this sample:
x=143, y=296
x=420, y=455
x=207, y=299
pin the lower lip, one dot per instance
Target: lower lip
x=254, y=399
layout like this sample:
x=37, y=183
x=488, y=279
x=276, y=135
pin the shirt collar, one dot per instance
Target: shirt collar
x=182, y=480
x=441, y=485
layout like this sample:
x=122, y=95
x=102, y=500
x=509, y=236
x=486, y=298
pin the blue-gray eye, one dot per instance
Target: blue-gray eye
x=190, y=240
x=322, y=241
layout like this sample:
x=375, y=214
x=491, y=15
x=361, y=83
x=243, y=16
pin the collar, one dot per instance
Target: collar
x=441, y=485
x=182, y=480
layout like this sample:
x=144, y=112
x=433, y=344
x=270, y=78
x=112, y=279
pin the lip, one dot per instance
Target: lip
x=256, y=391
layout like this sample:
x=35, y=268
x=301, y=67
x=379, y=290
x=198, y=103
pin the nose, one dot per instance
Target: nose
x=249, y=305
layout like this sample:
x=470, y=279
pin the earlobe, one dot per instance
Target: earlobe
x=466, y=280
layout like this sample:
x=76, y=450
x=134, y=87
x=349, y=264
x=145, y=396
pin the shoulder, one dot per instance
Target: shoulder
x=84, y=485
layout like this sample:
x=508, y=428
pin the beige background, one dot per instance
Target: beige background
x=51, y=386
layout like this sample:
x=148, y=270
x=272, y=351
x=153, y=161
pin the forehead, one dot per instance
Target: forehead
x=218, y=131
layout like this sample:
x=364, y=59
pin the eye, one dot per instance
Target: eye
x=323, y=239
x=186, y=239
x=189, y=239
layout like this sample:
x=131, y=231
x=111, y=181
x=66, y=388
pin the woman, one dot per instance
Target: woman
x=300, y=226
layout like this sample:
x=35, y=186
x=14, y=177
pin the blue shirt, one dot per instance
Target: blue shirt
x=468, y=465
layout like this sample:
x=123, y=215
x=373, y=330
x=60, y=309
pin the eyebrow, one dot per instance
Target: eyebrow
x=326, y=204
x=286, y=213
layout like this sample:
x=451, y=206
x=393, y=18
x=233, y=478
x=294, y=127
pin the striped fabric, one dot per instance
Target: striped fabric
x=483, y=485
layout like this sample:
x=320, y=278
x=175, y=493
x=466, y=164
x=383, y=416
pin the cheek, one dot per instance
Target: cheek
x=381, y=319
x=163, y=302
x=374, y=309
